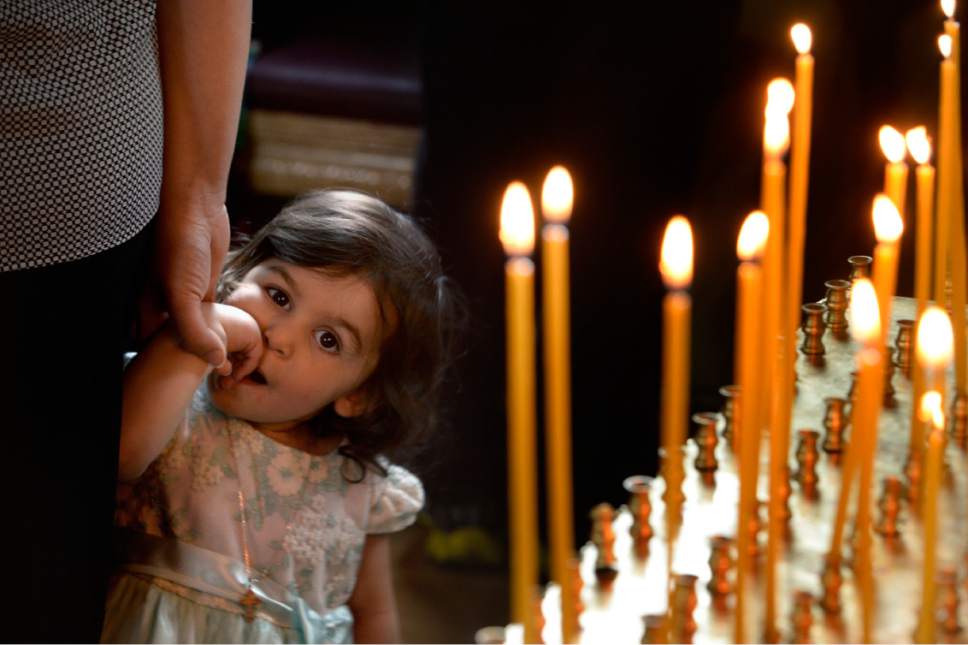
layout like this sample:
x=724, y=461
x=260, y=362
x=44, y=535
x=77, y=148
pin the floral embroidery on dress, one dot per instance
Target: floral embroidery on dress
x=287, y=475
x=307, y=523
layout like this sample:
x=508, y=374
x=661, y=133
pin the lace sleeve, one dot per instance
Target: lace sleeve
x=396, y=500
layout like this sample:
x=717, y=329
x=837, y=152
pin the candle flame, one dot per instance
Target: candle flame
x=944, y=44
x=888, y=225
x=802, y=38
x=865, y=324
x=753, y=236
x=918, y=144
x=892, y=143
x=935, y=338
x=948, y=7
x=676, y=258
x=930, y=406
x=776, y=132
x=780, y=95
x=517, y=220
x=557, y=195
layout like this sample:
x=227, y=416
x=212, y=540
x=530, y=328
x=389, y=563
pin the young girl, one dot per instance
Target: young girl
x=260, y=499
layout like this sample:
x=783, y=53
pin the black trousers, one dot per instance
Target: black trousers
x=65, y=328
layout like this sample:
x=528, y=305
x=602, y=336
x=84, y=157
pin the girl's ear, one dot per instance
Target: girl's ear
x=352, y=404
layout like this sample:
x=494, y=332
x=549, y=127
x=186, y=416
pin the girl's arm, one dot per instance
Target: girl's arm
x=160, y=382
x=372, y=603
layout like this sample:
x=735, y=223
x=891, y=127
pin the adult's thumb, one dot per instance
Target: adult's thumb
x=197, y=337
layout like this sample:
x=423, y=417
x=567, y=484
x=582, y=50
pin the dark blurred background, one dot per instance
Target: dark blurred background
x=437, y=106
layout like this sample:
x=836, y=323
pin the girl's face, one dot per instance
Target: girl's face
x=321, y=336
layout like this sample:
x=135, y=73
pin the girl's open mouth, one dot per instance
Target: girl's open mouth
x=257, y=377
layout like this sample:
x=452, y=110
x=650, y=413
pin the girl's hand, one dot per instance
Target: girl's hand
x=242, y=337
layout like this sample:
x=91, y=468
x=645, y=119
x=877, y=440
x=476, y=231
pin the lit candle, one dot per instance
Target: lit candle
x=932, y=482
x=933, y=349
x=517, y=236
x=749, y=288
x=888, y=228
x=799, y=171
x=946, y=119
x=676, y=268
x=556, y=202
x=896, y=170
x=951, y=197
x=866, y=329
x=920, y=148
x=779, y=329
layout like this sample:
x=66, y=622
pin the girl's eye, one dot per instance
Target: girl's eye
x=327, y=340
x=278, y=297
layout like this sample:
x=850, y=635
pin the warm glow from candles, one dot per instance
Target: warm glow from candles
x=802, y=38
x=888, y=224
x=892, y=143
x=752, y=236
x=948, y=7
x=944, y=44
x=557, y=195
x=865, y=324
x=676, y=261
x=930, y=406
x=776, y=132
x=517, y=220
x=780, y=95
x=918, y=144
x=935, y=337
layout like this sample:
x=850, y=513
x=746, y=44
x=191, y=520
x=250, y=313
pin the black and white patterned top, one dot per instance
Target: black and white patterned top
x=81, y=127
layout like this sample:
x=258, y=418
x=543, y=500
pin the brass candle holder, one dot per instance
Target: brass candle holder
x=904, y=346
x=706, y=440
x=813, y=329
x=890, y=506
x=860, y=267
x=640, y=506
x=721, y=565
x=685, y=601
x=603, y=537
x=834, y=423
x=831, y=581
x=836, y=303
x=731, y=411
x=890, y=402
x=948, y=601
x=807, y=456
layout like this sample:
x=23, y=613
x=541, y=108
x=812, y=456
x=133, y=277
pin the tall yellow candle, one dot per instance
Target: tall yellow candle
x=920, y=148
x=951, y=103
x=896, y=170
x=946, y=176
x=932, y=483
x=749, y=288
x=517, y=236
x=799, y=168
x=556, y=203
x=866, y=329
x=888, y=227
x=676, y=268
x=933, y=349
x=776, y=138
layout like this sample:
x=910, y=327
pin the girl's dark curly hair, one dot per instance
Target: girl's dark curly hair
x=345, y=232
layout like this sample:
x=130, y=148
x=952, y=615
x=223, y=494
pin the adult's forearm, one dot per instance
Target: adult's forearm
x=203, y=48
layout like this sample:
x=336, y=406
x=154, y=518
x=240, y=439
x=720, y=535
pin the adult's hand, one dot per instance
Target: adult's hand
x=192, y=240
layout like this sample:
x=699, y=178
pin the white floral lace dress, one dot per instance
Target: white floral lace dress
x=180, y=534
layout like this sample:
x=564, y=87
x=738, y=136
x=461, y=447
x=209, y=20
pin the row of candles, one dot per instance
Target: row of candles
x=769, y=280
